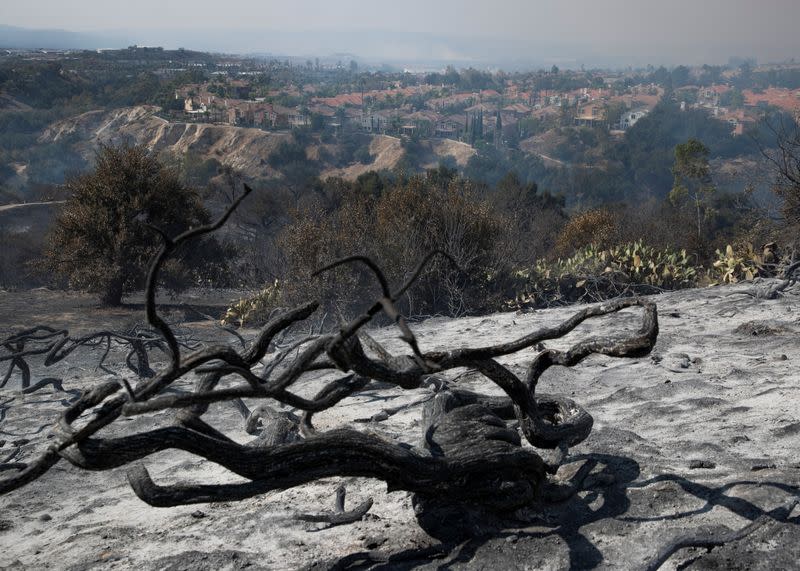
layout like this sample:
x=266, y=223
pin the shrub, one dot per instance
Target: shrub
x=397, y=225
x=314, y=239
x=99, y=241
x=256, y=309
x=362, y=155
x=418, y=217
x=535, y=219
x=286, y=153
x=19, y=251
x=740, y=261
x=598, y=228
x=593, y=274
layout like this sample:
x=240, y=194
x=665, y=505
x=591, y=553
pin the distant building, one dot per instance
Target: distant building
x=591, y=115
x=374, y=122
x=192, y=109
x=630, y=118
x=737, y=120
x=517, y=110
x=450, y=127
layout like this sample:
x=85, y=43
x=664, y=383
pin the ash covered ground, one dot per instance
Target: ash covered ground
x=702, y=433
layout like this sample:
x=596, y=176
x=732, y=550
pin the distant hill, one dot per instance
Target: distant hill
x=24, y=38
x=394, y=48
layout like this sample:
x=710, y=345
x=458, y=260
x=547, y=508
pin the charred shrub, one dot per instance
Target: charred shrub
x=104, y=237
x=598, y=227
x=398, y=224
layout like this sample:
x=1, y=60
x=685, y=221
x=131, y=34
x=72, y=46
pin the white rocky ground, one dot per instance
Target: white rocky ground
x=704, y=432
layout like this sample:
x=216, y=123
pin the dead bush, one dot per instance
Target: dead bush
x=399, y=225
x=534, y=219
x=598, y=228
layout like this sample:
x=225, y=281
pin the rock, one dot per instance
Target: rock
x=759, y=328
x=762, y=466
x=702, y=464
x=677, y=362
x=373, y=542
x=786, y=431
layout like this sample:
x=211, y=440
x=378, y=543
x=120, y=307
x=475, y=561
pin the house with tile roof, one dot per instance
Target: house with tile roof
x=591, y=115
x=451, y=127
x=630, y=118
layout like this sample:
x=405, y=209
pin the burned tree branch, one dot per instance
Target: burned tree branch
x=339, y=515
x=470, y=456
x=719, y=537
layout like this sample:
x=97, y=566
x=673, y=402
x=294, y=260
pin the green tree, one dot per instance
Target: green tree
x=733, y=98
x=101, y=241
x=692, y=179
x=614, y=112
x=681, y=76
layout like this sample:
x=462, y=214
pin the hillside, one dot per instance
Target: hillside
x=386, y=151
x=702, y=433
x=245, y=149
x=241, y=148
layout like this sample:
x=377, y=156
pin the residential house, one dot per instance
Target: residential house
x=738, y=120
x=234, y=116
x=193, y=108
x=710, y=96
x=419, y=123
x=450, y=127
x=590, y=115
x=630, y=118
x=375, y=121
x=517, y=110
x=288, y=117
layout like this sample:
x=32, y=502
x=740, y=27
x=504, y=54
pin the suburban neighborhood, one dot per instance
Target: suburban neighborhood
x=441, y=111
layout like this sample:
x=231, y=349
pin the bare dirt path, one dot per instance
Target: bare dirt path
x=6, y=207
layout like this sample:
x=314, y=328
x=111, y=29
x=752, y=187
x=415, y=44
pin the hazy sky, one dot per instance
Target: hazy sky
x=691, y=29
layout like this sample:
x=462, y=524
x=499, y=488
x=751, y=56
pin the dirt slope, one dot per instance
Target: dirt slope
x=242, y=148
x=386, y=151
x=461, y=152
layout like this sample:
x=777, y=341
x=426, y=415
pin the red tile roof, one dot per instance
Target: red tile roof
x=777, y=96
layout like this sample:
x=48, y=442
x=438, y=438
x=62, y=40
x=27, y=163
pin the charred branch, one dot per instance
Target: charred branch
x=470, y=453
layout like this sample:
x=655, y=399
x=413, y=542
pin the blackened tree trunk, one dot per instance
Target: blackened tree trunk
x=112, y=295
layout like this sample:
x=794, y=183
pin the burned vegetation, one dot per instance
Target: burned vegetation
x=469, y=451
x=477, y=458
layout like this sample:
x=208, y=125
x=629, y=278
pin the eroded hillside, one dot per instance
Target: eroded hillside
x=241, y=148
x=244, y=149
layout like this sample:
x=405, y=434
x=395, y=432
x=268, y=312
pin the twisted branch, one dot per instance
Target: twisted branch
x=471, y=452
